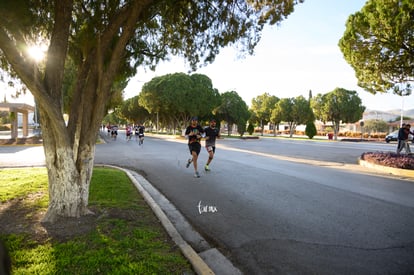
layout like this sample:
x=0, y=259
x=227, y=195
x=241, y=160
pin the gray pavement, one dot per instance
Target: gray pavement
x=205, y=257
x=279, y=210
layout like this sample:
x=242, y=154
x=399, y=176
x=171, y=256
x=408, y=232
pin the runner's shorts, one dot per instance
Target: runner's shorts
x=195, y=146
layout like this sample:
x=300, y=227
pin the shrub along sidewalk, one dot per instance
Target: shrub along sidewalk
x=123, y=237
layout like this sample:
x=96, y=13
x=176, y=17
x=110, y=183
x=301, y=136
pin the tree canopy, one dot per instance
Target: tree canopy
x=375, y=125
x=338, y=106
x=133, y=112
x=261, y=109
x=107, y=41
x=179, y=96
x=294, y=111
x=233, y=110
x=379, y=44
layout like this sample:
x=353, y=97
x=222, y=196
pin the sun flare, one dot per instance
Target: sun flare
x=37, y=52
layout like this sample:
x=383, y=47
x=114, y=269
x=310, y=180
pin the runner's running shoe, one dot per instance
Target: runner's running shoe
x=206, y=168
x=196, y=175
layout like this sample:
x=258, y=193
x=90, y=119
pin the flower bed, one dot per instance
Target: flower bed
x=402, y=161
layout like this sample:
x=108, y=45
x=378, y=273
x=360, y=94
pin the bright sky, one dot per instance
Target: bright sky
x=301, y=54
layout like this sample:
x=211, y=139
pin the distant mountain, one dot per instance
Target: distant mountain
x=409, y=113
x=390, y=115
x=398, y=112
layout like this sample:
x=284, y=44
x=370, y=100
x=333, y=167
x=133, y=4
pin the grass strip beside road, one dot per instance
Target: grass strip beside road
x=124, y=236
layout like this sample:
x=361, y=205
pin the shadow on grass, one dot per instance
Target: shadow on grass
x=125, y=239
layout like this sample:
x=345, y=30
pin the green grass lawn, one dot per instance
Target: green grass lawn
x=125, y=238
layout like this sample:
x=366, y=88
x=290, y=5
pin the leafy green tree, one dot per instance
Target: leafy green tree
x=276, y=117
x=107, y=41
x=302, y=112
x=133, y=112
x=114, y=117
x=233, y=110
x=179, y=97
x=250, y=129
x=207, y=97
x=379, y=44
x=69, y=87
x=375, y=125
x=4, y=117
x=153, y=99
x=282, y=110
x=310, y=129
x=241, y=127
x=261, y=109
x=294, y=111
x=338, y=106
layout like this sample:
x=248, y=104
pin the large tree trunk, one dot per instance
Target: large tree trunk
x=70, y=149
x=100, y=60
x=69, y=166
x=292, y=128
x=68, y=184
x=336, y=129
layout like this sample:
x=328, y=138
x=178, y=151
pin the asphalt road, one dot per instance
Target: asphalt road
x=281, y=206
x=284, y=206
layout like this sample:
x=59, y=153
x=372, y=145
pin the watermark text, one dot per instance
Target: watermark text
x=206, y=208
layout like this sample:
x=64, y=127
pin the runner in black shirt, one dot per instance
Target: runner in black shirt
x=211, y=134
x=194, y=133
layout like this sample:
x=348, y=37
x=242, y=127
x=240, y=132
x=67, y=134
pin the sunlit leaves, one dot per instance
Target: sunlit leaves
x=338, y=106
x=379, y=44
x=262, y=107
x=179, y=96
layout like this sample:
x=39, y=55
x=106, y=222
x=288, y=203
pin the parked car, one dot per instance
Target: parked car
x=391, y=137
x=394, y=137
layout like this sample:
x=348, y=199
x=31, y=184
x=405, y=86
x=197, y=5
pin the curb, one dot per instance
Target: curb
x=386, y=169
x=196, y=261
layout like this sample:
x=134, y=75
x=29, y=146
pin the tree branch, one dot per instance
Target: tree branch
x=29, y=75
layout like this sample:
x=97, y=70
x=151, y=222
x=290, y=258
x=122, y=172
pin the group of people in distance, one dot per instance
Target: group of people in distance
x=129, y=129
x=138, y=130
x=112, y=130
x=403, y=141
x=194, y=133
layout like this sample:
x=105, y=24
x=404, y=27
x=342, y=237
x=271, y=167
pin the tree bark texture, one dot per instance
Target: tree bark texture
x=70, y=149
